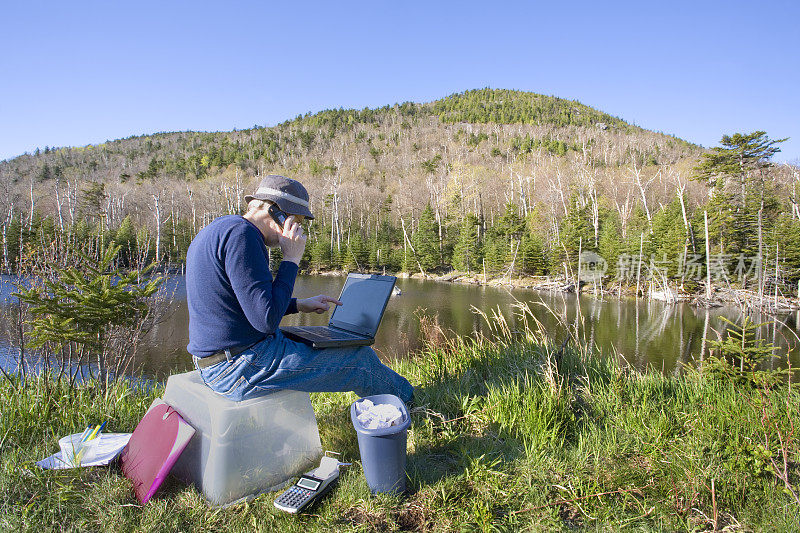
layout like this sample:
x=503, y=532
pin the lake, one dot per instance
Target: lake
x=663, y=336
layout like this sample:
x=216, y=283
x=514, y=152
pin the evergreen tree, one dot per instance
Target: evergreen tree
x=92, y=201
x=466, y=254
x=357, y=256
x=668, y=238
x=426, y=240
x=531, y=259
x=610, y=245
x=737, y=172
x=387, y=237
x=85, y=303
x=739, y=157
x=637, y=225
x=495, y=252
x=787, y=235
x=320, y=252
x=507, y=233
x=577, y=232
x=510, y=224
x=373, y=246
x=44, y=173
x=125, y=239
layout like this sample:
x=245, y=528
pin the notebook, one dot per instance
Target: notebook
x=355, y=322
x=155, y=445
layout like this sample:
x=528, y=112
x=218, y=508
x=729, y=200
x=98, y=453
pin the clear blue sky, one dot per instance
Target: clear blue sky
x=77, y=73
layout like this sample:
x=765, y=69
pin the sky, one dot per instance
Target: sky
x=78, y=73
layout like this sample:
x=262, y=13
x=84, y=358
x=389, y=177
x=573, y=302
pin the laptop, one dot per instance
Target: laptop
x=355, y=322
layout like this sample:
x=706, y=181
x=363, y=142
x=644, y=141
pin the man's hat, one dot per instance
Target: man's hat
x=289, y=194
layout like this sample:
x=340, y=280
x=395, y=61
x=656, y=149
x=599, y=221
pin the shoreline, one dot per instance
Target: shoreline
x=720, y=296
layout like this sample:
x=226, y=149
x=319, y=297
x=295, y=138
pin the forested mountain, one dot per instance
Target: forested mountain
x=513, y=181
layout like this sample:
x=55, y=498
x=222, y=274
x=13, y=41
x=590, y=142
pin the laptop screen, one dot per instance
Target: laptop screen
x=363, y=299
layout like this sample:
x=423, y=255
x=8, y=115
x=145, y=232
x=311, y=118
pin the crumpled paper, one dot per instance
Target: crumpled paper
x=377, y=416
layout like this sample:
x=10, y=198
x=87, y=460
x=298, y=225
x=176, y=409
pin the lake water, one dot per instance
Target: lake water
x=644, y=333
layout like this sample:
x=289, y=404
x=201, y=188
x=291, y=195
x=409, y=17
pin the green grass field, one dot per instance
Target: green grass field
x=509, y=436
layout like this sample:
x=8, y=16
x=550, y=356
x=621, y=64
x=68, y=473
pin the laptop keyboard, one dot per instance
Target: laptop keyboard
x=325, y=333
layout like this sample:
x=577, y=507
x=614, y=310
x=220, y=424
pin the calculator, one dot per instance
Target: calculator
x=307, y=491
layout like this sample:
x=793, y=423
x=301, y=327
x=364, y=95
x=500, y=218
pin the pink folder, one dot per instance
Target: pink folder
x=155, y=445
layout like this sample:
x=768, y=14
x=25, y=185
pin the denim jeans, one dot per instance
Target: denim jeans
x=281, y=363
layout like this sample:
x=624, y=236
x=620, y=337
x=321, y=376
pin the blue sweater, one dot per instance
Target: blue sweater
x=233, y=299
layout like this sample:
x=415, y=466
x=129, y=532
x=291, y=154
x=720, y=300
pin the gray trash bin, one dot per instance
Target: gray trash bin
x=383, y=451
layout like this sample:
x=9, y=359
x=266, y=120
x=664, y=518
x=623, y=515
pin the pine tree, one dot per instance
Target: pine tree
x=787, y=235
x=426, y=240
x=374, y=252
x=92, y=200
x=610, y=245
x=510, y=224
x=357, y=255
x=466, y=254
x=737, y=172
x=668, y=238
x=125, y=238
x=495, y=252
x=505, y=239
x=577, y=232
x=531, y=259
x=320, y=250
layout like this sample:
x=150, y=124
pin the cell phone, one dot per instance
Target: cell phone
x=277, y=215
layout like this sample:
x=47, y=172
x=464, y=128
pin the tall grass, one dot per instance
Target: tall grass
x=517, y=433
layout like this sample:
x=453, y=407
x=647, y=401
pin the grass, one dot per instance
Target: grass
x=512, y=435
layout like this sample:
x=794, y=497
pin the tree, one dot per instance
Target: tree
x=92, y=201
x=787, y=233
x=738, y=174
x=319, y=251
x=610, y=245
x=426, y=240
x=577, y=231
x=466, y=254
x=510, y=225
x=504, y=239
x=531, y=258
x=85, y=305
x=357, y=253
x=743, y=346
x=668, y=238
x=495, y=251
x=736, y=160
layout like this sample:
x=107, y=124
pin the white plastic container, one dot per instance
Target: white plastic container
x=241, y=449
x=71, y=447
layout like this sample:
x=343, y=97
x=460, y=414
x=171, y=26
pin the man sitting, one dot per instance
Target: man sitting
x=235, y=307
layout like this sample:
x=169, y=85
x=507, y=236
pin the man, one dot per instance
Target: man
x=235, y=306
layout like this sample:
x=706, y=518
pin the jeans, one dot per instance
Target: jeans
x=278, y=363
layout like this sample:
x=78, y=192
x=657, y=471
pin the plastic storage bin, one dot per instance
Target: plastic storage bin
x=383, y=451
x=241, y=449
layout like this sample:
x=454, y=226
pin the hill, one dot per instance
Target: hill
x=456, y=167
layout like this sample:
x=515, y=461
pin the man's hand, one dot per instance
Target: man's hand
x=292, y=241
x=316, y=304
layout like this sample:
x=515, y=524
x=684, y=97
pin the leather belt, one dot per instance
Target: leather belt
x=203, y=362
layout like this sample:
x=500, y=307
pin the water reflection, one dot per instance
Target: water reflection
x=644, y=333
